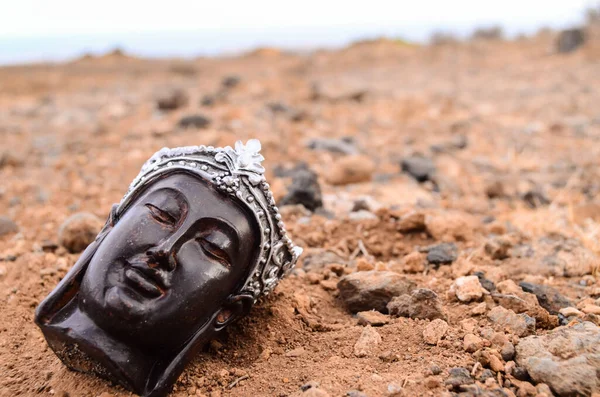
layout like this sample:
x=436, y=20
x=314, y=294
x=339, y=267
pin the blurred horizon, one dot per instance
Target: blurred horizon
x=33, y=31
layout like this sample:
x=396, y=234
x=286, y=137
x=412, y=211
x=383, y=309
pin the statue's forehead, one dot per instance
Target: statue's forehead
x=202, y=198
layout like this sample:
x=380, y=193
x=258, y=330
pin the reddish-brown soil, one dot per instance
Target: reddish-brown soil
x=73, y=136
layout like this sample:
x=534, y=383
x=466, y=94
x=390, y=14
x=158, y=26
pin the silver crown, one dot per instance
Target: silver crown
x=239, y=173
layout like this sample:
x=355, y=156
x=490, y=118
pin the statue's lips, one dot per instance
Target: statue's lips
x=144, y=280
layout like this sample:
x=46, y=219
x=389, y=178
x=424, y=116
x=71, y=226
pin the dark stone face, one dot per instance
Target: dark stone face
x=169, y=264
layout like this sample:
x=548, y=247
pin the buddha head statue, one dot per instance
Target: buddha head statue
x=195, y=241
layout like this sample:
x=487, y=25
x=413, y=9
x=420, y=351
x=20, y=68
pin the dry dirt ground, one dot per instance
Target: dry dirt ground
x=507, y=132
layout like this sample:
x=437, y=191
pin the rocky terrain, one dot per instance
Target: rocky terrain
x=446, y=197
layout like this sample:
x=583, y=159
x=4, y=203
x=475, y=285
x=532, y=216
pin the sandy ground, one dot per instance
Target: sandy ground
x=512, y=129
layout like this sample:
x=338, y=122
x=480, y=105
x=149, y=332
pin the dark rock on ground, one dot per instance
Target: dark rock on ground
x=278, y=107
x=569, y=40
x=520, y=373
x=535, y=198
x=372, y=290
x=208, y=100
x=420, y=168
x=194, y=121
x=355, y=393
x=7, y=226
x=459, y=376
x=567, y=359
x=485, y=283
x=305, y=190
x=172, y=99
x=231, y=81
x=422, y=303
x=442, y=254
x=343, y=146
x=548, y=297
x=78, y=231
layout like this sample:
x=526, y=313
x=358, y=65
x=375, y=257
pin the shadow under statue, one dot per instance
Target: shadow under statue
x=192, y=245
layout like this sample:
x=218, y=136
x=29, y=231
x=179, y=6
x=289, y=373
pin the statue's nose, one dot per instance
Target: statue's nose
x=162, y=258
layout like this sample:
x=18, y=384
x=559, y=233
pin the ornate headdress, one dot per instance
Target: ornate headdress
x=239, y=173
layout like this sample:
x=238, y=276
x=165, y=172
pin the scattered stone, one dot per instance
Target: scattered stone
x=231, y=81
x=7, y=226
x=520, y=373
x=295, y=352
x=317, y=259
x=412, y=222
x=570, y=312
x=519, y=324
x=373, y=318
x=591, y=309
x=442, y=254
x=355, y=393
x=367, y=342
x=526, y=389
x=543, y=389
x=472, y=343
x=569, y=40
x=459, y=376
x=511, y=302
x=451, y=225
x=209, y=100
x=467, y=288
x=422, y=303
x=309, y=385
x=78, y=231
x=498, y=248
x=495, y=189
x=508, y=351
x=194, y=121
x=548, y=297
x=486, y=374
x=362, y=215
x=435, y=331
x=485, y=283
x=413, y=262
x=435, y=369
x=342, y=146
x=432, y=383
x=535, y=198
x=172, y=99
x=372, y=290
x=479, y=309
x=305, y=190
x=315, y=392
x=395, y=390
x=365, y=203
x=566, y=359
x=389, y=357
x=420, y=168
x=351, y=169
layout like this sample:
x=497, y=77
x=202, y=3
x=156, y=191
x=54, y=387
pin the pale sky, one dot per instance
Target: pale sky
x=221, y=25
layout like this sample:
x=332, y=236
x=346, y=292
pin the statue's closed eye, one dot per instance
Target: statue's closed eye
x=210, y=244
x=161, y=216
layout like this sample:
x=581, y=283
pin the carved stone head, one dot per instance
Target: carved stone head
x=190, y=248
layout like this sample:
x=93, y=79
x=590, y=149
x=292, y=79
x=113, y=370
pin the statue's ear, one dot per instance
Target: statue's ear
x=110, y=222
x=235, y=308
